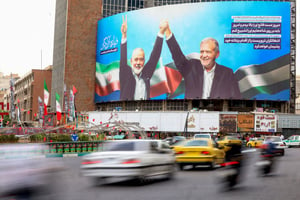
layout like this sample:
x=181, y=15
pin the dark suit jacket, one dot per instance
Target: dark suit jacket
x=127, y=80
x=224, y=85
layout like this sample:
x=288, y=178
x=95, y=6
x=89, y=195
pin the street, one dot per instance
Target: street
x=190, y=184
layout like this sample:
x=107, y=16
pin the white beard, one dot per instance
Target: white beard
x=137, y=71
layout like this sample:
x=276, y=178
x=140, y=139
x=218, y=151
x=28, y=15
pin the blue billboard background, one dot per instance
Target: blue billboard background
x=190, y=23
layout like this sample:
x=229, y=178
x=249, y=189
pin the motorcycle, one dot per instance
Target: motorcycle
x=265, y=165
x=229, y=174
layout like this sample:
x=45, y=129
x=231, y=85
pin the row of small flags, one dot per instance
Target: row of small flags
x=57, y=98
x=45, y=102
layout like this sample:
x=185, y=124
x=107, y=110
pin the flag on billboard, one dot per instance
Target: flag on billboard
x=165, y=79
x=107, y=78
x=46, y=97
x=267, y=78
x=58, y=107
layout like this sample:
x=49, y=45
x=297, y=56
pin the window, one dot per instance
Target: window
x=119, y=146
x=196, y=143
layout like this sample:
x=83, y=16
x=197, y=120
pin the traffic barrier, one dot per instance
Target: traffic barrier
x=78, y=147
x=74, y=147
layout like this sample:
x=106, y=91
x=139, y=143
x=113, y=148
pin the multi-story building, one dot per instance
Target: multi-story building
x=74, y=54
x=27, y=90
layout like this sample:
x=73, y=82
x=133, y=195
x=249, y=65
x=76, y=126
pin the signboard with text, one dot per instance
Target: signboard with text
x=265, y=123
x=245, y=122
x=254, y=43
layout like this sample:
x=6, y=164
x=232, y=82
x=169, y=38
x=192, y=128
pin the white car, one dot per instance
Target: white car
x=129, y=159
x=280, y=145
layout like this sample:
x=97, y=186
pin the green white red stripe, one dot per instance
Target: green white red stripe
x=46, y=97
x=58, y=107
x=164, y=80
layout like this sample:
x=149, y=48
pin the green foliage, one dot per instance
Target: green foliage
x=83, y=137
x=5, y=119
x=8, y=139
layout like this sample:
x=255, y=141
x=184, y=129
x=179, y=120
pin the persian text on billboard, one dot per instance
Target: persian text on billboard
x=254, y=45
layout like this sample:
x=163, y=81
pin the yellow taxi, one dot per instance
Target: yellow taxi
x=255, y=142
x=178, y=145
x=229, y=139
x=199, y=152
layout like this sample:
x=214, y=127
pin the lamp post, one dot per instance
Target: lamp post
x=186, y=124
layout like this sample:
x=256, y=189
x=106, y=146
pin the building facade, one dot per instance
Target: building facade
x=27, y=90
x=74, y=51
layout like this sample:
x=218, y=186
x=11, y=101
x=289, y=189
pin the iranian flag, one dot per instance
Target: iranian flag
x=46, y=97
x=166, y=79
x=58, y=107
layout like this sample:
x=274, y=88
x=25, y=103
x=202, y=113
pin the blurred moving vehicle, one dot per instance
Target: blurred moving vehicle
x=226, y=141
x=199, y=152
x=229, y=174
x=25, y=172
x=255, y=142
x=278, y=143
x=293, y=141
x=129, y=159
x=175, y=139
x=266, y=162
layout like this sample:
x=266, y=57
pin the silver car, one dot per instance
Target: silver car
x=129, y=159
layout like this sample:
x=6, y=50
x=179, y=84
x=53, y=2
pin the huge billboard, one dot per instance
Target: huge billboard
x=155, y=53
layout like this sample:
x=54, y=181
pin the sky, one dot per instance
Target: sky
x=27, y=33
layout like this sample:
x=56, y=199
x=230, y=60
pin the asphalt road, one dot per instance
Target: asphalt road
x=191, y=184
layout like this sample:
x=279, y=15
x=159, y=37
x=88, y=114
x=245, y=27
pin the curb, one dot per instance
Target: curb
x=65, y=155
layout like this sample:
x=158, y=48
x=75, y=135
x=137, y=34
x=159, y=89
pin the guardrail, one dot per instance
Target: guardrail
x=75, y=147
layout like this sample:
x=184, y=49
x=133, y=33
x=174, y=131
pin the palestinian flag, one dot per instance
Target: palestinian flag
x=165, y=80
x=46, y=97
x=267, y=78
x=58, y=107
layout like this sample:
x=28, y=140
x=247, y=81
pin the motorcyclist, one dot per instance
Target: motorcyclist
x=234, y=153
x=268, y=148
x=268, y=151
x=232, y=165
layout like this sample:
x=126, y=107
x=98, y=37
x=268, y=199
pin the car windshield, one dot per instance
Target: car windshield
x=196, y=143
x=202, y=136
x=232, y=138
x=179, y=137
x=179, y=143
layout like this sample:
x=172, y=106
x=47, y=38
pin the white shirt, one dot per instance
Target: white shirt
x=207, y=82
x=140, y=87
